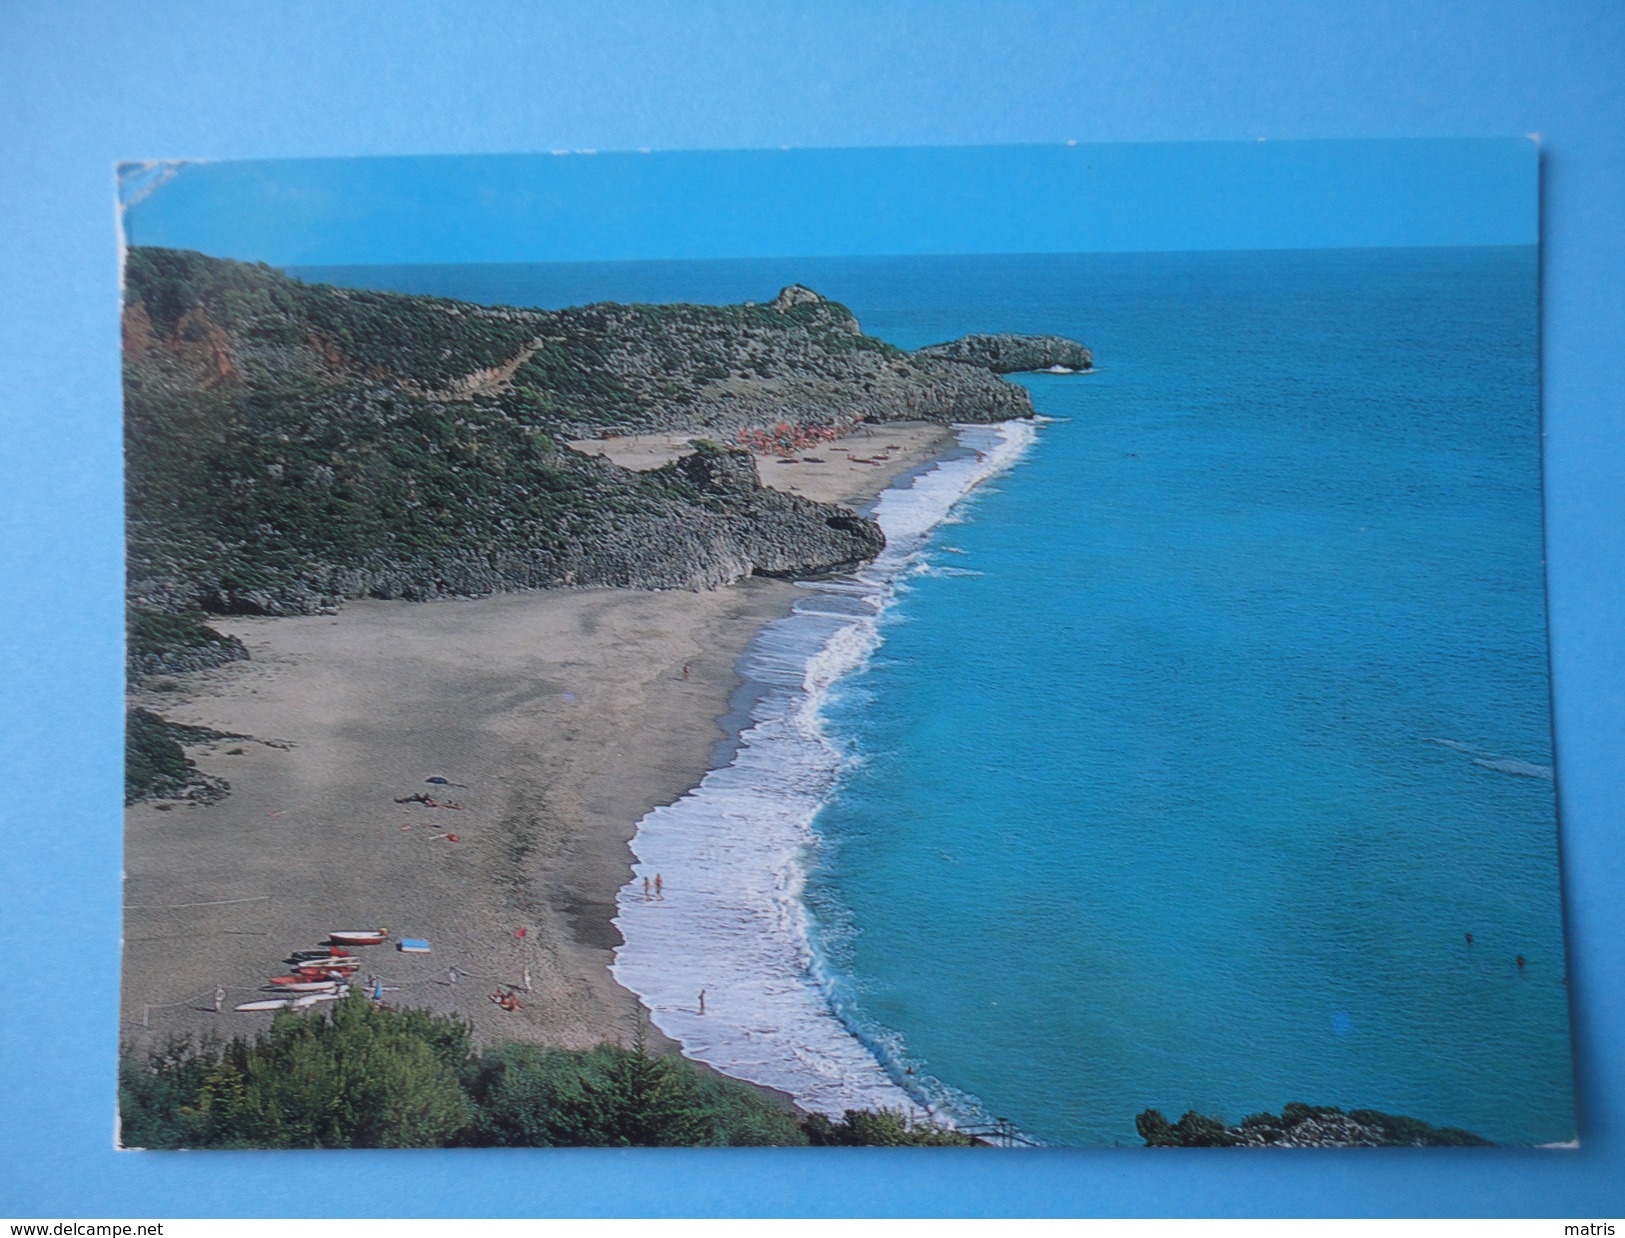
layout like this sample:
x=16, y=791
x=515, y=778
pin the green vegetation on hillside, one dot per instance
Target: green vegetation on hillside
x=365, y=1076
x=429, y=341
x=155, y=641
x=628, y=365
x=290, y=445
x=150, y=632
x=155, y=764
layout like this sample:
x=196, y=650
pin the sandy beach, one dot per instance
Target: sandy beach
x=560, y=718
x=849, y=470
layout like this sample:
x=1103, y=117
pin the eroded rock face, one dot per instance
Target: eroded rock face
x=1011, y=354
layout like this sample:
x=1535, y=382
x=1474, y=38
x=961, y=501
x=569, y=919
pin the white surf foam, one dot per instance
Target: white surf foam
x=733, y=854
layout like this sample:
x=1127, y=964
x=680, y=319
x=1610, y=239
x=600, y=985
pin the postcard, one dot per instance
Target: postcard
x=952, y=647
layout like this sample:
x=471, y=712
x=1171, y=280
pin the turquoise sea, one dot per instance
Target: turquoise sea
x=1179, y=742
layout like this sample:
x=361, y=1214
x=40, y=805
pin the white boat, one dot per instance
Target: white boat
x=358, y=937
x=315, y=986
x=265, y=1003
x=288, y=1003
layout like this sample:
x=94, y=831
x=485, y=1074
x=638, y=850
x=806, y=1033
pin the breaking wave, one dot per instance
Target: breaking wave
x=734, y=853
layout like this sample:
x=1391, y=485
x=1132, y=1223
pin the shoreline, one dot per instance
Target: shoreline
x=568, y=715
x=733, y=926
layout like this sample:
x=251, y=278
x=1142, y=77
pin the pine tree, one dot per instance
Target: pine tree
x=633, y=1098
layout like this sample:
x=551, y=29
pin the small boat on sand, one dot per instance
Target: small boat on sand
x=292, y=1002
x=324, y=972
x=264, y=1003
x=326, y=952
x=358, y=937
x=299, y=984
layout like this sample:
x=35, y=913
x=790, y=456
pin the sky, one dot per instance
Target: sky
x=586, y=206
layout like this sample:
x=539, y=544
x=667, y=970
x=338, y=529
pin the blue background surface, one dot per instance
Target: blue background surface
x=88, y=84
x=882, y=201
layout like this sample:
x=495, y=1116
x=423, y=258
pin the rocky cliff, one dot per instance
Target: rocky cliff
x=1010, y=354
x=289, y=446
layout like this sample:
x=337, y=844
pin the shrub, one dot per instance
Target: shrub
x=881, y=1128
x=358, y=1077
x=154, y=761
x=531, y=1096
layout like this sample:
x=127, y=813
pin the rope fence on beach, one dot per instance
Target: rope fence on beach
x=206, y=997
x=166, y=921
x=452, y=976
x=372, y=982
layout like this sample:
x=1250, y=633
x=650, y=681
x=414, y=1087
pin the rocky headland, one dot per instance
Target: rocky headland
x=289, y=446
x=1011, y=354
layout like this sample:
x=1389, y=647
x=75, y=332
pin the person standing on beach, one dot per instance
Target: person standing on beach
x=702, y=1001
x=219, y=999
x=659, y=891
x=646, y=889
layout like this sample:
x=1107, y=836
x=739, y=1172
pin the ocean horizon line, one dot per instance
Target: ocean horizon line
x=293, y=268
